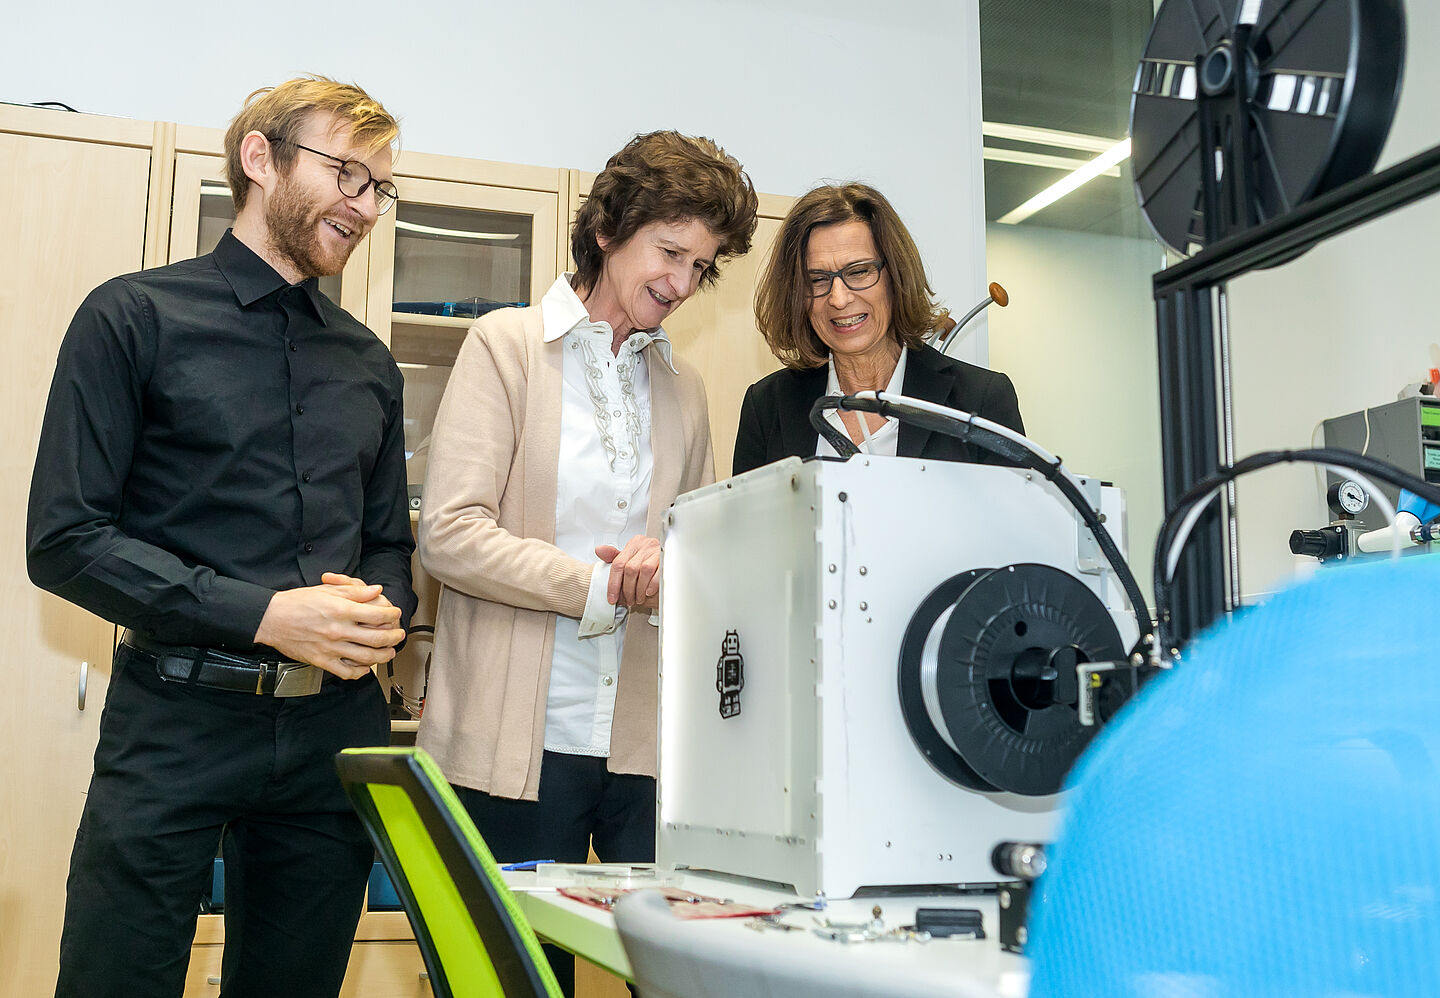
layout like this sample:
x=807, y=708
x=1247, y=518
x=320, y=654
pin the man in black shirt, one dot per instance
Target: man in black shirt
x=221, y=470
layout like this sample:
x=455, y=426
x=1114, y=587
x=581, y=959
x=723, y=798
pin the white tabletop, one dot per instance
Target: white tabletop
x=967, y=967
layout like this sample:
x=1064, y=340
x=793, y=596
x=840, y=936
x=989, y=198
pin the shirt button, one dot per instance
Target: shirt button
x=621, y=504
x=293, y=348
x=305, y=477
x=617, y=412
x=299, y=410
x=309, y=547
x=608, y=680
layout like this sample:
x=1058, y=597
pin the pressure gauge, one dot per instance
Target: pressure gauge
x=1348, y=498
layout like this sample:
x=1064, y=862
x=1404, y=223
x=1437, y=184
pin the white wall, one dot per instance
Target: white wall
x=1341, y=328
x=1078, y=340
x=798, y=90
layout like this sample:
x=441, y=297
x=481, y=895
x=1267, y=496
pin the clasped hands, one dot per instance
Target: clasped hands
x=343, y=625
x=634, y=573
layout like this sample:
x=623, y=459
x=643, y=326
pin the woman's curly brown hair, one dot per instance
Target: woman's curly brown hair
x=664, y=177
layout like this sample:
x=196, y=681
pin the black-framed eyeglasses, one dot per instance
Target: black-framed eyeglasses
x=857, y=277
x=354, y=179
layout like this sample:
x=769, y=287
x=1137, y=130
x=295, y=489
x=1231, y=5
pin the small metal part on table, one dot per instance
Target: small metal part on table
x=869, y=931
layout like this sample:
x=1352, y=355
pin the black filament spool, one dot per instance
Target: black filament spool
x=1004, y=680
x=1311, y=86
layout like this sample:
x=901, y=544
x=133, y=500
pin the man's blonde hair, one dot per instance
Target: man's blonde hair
x=281, y=114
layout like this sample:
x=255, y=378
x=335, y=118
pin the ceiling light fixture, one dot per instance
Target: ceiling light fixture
x=1113, y=156
x=1024, y=158
x=1045, y=136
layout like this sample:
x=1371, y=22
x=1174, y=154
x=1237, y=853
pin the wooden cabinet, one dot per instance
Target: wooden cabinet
x=464, y=238
x=74, y=203
x=384, y=963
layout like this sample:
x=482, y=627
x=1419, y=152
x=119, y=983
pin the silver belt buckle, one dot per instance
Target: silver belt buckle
x=297, y=679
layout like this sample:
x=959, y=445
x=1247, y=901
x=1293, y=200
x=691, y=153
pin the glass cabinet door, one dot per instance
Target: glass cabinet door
x=203, y=210
x=455, y=251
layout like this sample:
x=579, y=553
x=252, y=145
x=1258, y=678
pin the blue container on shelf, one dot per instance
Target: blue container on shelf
x=383, y=896
x=213, y=901
x=467, y=308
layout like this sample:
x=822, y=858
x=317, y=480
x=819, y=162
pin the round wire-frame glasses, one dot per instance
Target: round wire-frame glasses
x=354, y=179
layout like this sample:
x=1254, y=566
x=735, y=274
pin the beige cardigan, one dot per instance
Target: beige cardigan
x=487, y=533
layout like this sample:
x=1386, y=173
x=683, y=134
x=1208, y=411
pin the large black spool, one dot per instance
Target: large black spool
x=993, y=706
x=1235, y=122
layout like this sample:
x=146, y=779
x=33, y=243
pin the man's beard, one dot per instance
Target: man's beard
x=293, y=221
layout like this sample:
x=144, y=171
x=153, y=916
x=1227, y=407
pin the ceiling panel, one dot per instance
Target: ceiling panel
x=1067, y=65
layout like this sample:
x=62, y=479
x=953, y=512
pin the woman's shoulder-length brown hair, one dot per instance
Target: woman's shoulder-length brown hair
x=665, y=177
x=782, y=301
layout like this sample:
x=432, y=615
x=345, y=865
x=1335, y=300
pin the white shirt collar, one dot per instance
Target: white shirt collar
x=561, y=310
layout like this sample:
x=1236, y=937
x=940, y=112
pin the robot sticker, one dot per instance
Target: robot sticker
x=730, y=674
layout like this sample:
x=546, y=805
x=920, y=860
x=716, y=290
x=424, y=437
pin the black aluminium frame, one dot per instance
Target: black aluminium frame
x=1186, y=331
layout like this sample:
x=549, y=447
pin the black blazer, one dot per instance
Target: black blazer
x=775, y=416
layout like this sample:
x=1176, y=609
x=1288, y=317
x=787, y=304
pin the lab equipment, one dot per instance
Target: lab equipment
x=909, y=680
x=1405, y=434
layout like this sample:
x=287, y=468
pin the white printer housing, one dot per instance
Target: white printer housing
x=814, y=569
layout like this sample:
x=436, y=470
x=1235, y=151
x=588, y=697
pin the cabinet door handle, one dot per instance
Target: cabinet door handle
x=84, y=681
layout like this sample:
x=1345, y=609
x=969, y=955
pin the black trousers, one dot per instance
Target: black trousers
x=176, y=766
x=581, y=803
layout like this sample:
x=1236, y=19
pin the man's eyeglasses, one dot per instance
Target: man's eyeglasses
x=857, y=277
x=354, y=179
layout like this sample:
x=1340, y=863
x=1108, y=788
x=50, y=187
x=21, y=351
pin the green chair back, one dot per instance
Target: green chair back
x=473, y=937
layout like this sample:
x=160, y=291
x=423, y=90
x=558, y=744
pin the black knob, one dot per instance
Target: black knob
x=1018, y=860
x=1320, y=544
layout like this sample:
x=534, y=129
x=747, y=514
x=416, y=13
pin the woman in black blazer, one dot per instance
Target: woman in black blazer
x=845, y=306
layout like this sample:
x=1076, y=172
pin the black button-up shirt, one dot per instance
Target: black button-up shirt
x=214, y=435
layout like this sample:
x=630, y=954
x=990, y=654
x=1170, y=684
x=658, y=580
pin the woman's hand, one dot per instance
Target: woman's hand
x=634, y=573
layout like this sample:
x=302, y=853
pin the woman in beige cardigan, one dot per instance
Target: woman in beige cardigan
x=566, y=430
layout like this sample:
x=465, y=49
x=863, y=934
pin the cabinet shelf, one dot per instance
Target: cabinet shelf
x=421, y=319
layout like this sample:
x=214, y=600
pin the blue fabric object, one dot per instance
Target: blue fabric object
x=1423, y=509
x=1265, y=818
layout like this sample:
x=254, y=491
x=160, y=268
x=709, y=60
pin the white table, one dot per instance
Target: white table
x=970, y=968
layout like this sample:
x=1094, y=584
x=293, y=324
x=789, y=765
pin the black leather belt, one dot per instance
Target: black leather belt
x=223, y=670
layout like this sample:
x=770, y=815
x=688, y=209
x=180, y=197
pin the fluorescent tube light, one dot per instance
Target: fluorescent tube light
x=1107, y=159
x=1045, y=136
x=432, y=230
x=1038, y=159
